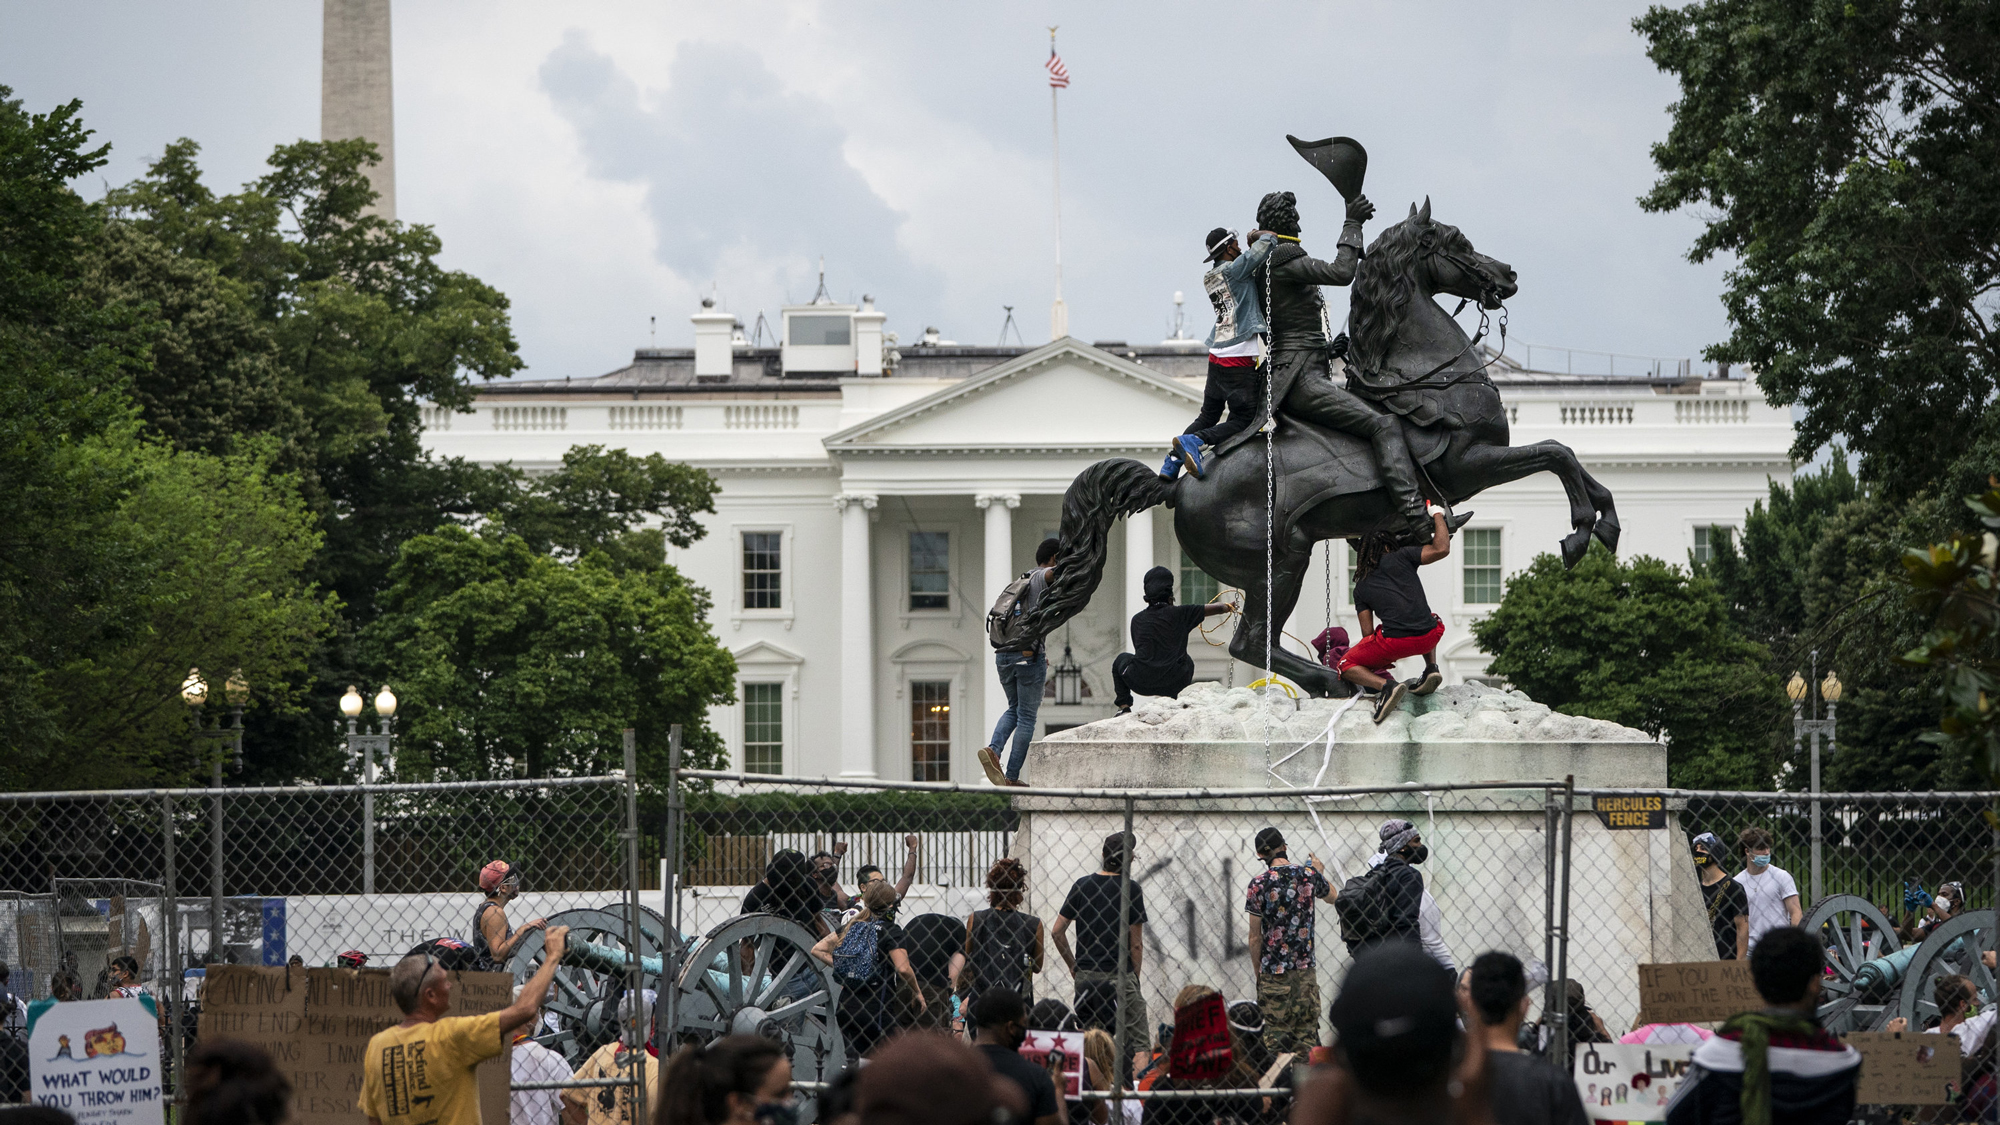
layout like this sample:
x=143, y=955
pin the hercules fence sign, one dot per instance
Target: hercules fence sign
x=1630, y=812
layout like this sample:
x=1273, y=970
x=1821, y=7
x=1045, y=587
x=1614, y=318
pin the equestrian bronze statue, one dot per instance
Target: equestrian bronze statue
x=1409, y=359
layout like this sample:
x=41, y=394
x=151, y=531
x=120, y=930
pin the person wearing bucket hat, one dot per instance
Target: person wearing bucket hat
x=1235, y=345
x=1396, y=1025
x=493, y=940
x=1728, y=904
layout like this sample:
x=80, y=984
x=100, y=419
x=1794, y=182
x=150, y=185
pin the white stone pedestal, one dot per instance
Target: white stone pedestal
x=1633, y=898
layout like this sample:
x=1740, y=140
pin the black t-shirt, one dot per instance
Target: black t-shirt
x=1528, y=1091
x=1032, y=1079
x=1394, y=595
x=1093, y=906
x=1726, y=901
x=1159, y=639
x=764, y=899
x=931, y=939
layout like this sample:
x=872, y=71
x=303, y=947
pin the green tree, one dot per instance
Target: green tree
x=514, y=663
x=1955, y=586
x=1645, y=644
x=1844, y=152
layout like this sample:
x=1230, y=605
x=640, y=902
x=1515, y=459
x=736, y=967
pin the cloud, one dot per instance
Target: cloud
x=740, y=174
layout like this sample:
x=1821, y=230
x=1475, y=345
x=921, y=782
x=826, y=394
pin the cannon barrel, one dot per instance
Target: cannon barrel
x=1879, y=976
x=604, y=959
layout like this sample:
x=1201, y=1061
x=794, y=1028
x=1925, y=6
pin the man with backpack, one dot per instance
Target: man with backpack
x=1282, y=925
x=866, y=957
x=1023, y=664
x=1382, y=904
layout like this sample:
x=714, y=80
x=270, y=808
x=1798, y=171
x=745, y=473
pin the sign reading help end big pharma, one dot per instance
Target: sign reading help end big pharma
x=98, y=1061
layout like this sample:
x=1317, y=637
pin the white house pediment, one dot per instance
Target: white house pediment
x=765, y=653
x=927, y=652
x=1066, y=394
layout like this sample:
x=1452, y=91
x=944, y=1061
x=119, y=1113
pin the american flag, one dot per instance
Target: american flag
x=1058, y=73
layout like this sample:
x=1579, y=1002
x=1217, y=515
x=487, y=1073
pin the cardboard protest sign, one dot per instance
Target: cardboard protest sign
x=1201, y=1048
x=1629, y=1081
x=1905, y=1068
x=317, y=1023
x=98, y=1061
x=1058, y=1051
x=1694, y=991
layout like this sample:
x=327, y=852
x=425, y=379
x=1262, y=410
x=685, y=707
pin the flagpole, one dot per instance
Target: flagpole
x=1058, y=313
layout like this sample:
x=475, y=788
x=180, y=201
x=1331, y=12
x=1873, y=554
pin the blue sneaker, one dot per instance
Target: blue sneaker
x=1189, y=447
x=1172, y=468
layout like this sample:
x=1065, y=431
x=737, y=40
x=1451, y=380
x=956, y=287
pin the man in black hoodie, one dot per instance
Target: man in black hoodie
x=1158, y=663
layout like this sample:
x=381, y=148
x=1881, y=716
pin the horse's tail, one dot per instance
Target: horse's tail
x=1100, y=494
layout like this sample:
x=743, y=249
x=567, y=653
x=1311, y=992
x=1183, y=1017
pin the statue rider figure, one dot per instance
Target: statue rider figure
x=1302, y=384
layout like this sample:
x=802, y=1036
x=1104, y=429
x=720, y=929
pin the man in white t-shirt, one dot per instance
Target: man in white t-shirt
x=533, y=1062
x=1773, y=894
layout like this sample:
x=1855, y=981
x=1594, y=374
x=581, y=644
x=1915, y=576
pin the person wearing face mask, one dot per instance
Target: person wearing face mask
x=1772, y=893
x=1003, y=1026
x=1400, y=840
x=737, y=1080
x=1728, y=903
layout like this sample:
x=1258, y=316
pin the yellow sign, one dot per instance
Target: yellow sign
x=1631, y=812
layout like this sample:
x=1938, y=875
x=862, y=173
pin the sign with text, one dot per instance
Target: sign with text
x=98, y=1061
x=1905, y=1068
x=317, y=1022
x=1201, y=1048
x=1694, y=991
x=1059, y=1053
x=1630, y=812
x=1629, y=1081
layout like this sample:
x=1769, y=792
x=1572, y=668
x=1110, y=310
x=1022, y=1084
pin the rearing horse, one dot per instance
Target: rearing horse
x=1406, y=353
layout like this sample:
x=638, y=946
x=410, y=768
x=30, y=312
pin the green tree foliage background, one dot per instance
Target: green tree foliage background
x=210, y=420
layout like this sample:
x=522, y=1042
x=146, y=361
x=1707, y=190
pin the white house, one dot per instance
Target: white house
x=875, y=501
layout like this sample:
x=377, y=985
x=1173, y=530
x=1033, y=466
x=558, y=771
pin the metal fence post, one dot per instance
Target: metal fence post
x=1560, y=1048
x=635, y=1041
x=367, y=814
x=1551, y=815
x=216, y=952
x=170, y=919
x=671, y=886
x=1125, y=966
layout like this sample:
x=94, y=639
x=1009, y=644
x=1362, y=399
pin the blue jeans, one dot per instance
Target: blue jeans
x=1021, y=677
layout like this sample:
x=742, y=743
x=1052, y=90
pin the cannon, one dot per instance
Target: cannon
x=1865, y=959
x=1955, y=947
x=581, y=1013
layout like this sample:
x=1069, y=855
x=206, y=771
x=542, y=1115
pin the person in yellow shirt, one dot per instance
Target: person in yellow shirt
x=612, y=1105
x=419, y=1072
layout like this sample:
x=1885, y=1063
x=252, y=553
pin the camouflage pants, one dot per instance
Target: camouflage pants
x=1290, y=1002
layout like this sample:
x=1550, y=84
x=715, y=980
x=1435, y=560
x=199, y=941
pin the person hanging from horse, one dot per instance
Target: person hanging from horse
x=1235, y=348
x=1300, y=375
x=1396, y=617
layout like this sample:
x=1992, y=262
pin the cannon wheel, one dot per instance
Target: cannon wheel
x=577, y=1007
x=786, y=995
x=1954, y=947
x=1842, y=923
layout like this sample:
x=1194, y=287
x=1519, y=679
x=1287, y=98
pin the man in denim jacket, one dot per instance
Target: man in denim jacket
x=1235, y=344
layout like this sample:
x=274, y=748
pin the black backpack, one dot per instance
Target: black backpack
x=1002, y=944
x=1362, y=907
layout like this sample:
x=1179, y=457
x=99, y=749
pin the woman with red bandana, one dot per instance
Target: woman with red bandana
x=493, y=940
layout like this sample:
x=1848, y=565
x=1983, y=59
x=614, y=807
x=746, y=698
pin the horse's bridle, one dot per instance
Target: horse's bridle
x=1488, y=288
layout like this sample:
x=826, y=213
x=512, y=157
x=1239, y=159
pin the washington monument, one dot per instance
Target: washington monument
x=355, y=96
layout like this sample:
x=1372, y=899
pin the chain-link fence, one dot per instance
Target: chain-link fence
x=179, y=880
x=1025, y=890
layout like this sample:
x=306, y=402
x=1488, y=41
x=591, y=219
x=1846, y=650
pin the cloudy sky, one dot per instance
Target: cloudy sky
x=603, y=163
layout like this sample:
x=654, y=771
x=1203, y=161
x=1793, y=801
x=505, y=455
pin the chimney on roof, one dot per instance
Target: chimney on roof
x=868, y=338
x=713, y=355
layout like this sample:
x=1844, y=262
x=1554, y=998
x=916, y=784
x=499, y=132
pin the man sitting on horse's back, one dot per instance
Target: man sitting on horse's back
x=1302, y=384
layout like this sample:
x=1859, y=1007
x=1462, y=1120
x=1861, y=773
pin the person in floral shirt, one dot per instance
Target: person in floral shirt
x=1280, y=905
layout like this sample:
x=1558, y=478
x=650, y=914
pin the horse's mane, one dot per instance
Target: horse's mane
x=1385, y=284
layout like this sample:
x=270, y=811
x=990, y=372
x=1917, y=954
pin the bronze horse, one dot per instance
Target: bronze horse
x=1407, y=353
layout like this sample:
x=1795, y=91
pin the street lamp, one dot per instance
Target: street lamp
x=222, y=739
x=1813, y=727
x=365, y=744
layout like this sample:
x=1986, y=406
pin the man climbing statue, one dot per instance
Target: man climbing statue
x=1302, y=385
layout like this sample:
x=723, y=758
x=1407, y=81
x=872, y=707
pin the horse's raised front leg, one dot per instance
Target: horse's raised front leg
x=1288, y=574
x=1478, y=467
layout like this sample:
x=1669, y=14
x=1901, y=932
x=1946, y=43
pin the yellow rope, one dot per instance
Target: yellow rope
x=1208, y=631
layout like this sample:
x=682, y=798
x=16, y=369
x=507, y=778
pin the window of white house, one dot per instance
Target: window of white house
x=930, y=730
x=1197, y=588
x=1706, y=540
x=763, y=728
x=762, y=573
x=930, y=570
x=1482, y=565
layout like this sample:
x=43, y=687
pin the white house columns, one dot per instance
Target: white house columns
x=1138, y=560
x=999, y=508
x=857, y=637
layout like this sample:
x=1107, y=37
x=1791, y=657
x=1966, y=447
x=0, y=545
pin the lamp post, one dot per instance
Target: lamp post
x=1803, y=728
x=221, y=739
x=366, y=744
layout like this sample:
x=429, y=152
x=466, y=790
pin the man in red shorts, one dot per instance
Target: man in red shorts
x=1396, y=618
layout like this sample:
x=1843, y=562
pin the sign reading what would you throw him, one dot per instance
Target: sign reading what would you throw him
x=98, y=1061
